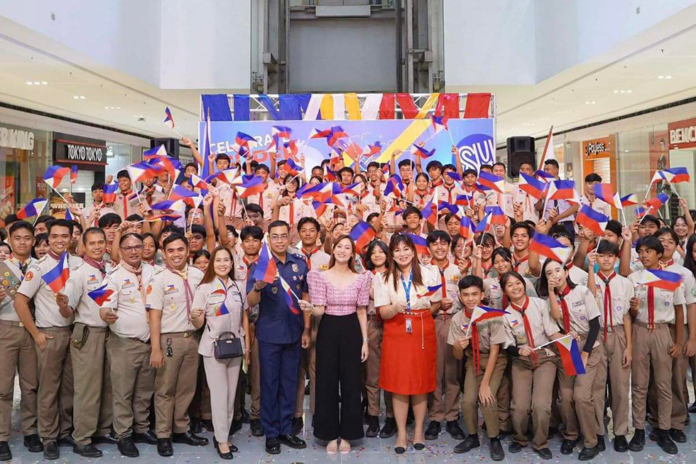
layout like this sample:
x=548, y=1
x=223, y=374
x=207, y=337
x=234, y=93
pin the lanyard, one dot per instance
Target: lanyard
x=407, y=290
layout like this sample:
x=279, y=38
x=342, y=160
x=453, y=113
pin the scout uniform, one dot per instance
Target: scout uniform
x=17, y=354
x=652, y=340
x=292, y=214
x=495, y=295
x=504, y=200
x=278, y=333
x=445, y=400
x=597, y=205
x=521, y=266
x=102, y=208
x=92, y=379
x=264, y=200
x=578, y=308
x=375, y=331
x=128, y=348
x=171, y=292
x=124, y=205
x=532, y=377
x=613, y=300
x=55, y=400
x=316, y=259
x=483, y=334
x=528, y=202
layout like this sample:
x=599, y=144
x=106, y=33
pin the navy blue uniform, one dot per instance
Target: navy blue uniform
x=279, y=334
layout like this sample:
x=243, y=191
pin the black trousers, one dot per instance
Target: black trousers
x=339, y=342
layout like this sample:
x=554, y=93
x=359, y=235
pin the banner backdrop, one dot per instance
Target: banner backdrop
x=365, y=141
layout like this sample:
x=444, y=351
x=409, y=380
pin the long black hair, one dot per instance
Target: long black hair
x=396, y=240
x=689, y=261
x=369, y=265
x=543, y=282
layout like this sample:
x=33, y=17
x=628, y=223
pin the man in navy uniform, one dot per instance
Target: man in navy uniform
x=281, y=333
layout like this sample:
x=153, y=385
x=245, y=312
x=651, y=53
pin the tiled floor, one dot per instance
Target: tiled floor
x=372, y=450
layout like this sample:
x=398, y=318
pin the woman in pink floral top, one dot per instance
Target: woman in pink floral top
x=340, y=295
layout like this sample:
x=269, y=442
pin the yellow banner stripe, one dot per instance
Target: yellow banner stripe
x=407, y=137
x=429, y=103
x=327, y=107
x=353, y=107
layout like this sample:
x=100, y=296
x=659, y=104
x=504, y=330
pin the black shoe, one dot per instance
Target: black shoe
x=235, y=427
x=127, y=447
x=5, y=453
x=544, y=454
x=638, y=441
x=433, y=430
x=297, y=425
x=164, y=447
x=109, y=439
x=601, y=446
x=87, y=451
x=687, y=421
x=292, y=441
x=399, y=450
x=190, y=439
x=51, y=452
x=496, y=450
x=147, y=437
x=245, y=416
x=273, y=445
x=33, y=443
x=455, y=430
x=196, y=426
x=419, y=446
x=620, y=444
x=66, y=441
x=471, y=442
x=692, y=408
x=256, y=428
x=666, y=443
x=567, y=447
x=515, y=447
x=653, y=435
x=389, y=428
x=372, y=427
x=588, y=454
x=677, y=435
x=208, y=425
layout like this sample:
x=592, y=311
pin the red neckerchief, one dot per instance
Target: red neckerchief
x=248, y=264
x=308, y=255
x=568, y=266
x=101, y=265
x=475, y=342
x=449, y=193
x=438, y=182
x=53, y=255
x=265, y=187
x=651, y=307
x=421, y=200
x=564, y=308
x=291, y=214
x=518, y=262
x=666, y=264
x=505, y=297
x=442, y=278
x=527, y=328
x=487, y=270
x=607, y=302
x=468, y=263
x=125, y=201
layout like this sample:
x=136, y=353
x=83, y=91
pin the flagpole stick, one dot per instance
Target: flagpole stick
x=177, y=133
x=61, y=196
x=623, y=215
x=552, y=342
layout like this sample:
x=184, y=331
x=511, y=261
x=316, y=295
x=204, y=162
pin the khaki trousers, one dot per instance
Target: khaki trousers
x=92, y=379
x=255, y=378
x=612, y=367
x=223, y=376
x=470, y=402
x=680, y=396
x=200, y=405
x=132, y=382
x=375, y=330
x=175, y=383
x=532, y=388
x=18, y=353
x=503, y=397
x=445, y=398
x=575, y=399
x=651, y=349
x=55, y=385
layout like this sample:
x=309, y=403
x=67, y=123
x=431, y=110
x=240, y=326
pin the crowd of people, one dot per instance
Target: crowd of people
x=165, y=325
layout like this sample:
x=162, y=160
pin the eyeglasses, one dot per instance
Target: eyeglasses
x=132, y=248
x=280, y=238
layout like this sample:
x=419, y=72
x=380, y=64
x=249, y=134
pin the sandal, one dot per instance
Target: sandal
x=345, y=449
x=332, y=447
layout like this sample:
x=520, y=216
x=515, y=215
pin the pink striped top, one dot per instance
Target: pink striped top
x=339, y=302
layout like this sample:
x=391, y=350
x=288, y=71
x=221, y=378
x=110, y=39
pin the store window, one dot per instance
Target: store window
x=119, y=155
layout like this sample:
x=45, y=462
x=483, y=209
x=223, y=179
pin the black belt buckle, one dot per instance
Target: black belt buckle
x=170, y=352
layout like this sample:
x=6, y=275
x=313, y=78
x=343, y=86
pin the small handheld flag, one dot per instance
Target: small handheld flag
x=660, y=279
x=464, y=200
x=54, y=175
x=629, y=200
x=266, y=268
x=492, y=181
x=422, y=152
x=57, y=277
x=550, y=247
x=678, y=175
x=420, y=243
x=562, y=190
x=485, y=224
x=100, y=295
x=482, y=313
x=453, y=175
x=497, y=215
x=570, y=356
x=535, y=188
x=591, y=219
x=73, y=173
x=287, y=290
x=33, y=208
x=168, y=118
x=605, y=192
x=657, y=202
x=362, y=234
x=430, y=292
x=466, y=228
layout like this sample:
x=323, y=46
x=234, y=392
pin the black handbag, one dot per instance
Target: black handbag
x=228, y=348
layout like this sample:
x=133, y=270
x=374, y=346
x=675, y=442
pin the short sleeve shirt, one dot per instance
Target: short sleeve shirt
x=128, y=302
x=665, y=300
x=582, y=308
x=386, y=294
x=166, y=292
x=621, y=293
x=449, y=278
x=540, y=322
x=85, y=279
x=491, y=331
x=7, y=311
x=494, y=291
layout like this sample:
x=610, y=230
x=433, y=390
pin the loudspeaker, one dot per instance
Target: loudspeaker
x=519, y=150
x=172, y=146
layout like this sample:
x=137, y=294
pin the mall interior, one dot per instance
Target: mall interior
x=86, y=82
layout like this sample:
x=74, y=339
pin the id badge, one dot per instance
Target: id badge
x=409, y=326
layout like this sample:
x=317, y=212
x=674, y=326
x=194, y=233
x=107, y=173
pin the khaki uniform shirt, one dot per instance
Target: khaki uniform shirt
x=494, y=291
x=540, y=323
x=128, y=301
x=622, y=291
x=665, y=300
x=166, y=292
x=582, y=308
x=84, y=280
x=265, y=202
x=124, y=207
x=210, y=298
x=449, y=278
x=7, y=311
x=491, y=331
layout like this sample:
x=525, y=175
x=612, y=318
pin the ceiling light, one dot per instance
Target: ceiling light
x=37, y=82
x=82, y=97
x=616, y=91
x=590, y=102
x=664, y=77
x=76, y=97
x=30, y=83
x=44, y=83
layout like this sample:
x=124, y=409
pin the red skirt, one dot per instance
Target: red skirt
x=408, y=360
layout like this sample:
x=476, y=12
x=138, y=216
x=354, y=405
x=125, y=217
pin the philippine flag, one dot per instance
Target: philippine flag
x=182, y=193
x=431, y=291
x=550, y=247
x=283, y=132
x=73, y=173
x=659, y=176
x=420, y=243
x=243, y=139
x=422, y=152
x=464, y=200
x=485, y=224
x=164, y=217
x=110, y=192
x=100, y=295
x=154, y=153
x=591, y=219
x=251, y=187
x=168, y=118
x=660, y=279
x=54, y=175
x=429, y=213
x=453, y=175
x=535, y=188
x=33, y=208
x=197, y=182
x=679, y=175
x=606, y=193
x=454, y=209
x=439, y=121
x=289, y=300
x=266, y=268
x=166, y=205
x=492, y=181
x=362, y=234
x=466, y=228
x=570, y=356
x=373, y=149
x=57, y=277
x=629, y=200
x=394, y=185
x=497, y=215
x=292, y=168
x=543, y=176
x=562, y=190
x=657, y=202
x=481, y=313
x=142, y=171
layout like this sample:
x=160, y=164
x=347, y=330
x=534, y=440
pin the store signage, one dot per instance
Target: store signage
x=16, y=138
x=84, y=152
x=599, y=148
x=682, y=134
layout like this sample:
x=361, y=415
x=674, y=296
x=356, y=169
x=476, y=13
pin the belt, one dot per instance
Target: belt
x=12, y=323
x=189, y=334
x=56, y=329
x=645, y=324
x=444, y=316
x=95, y=329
